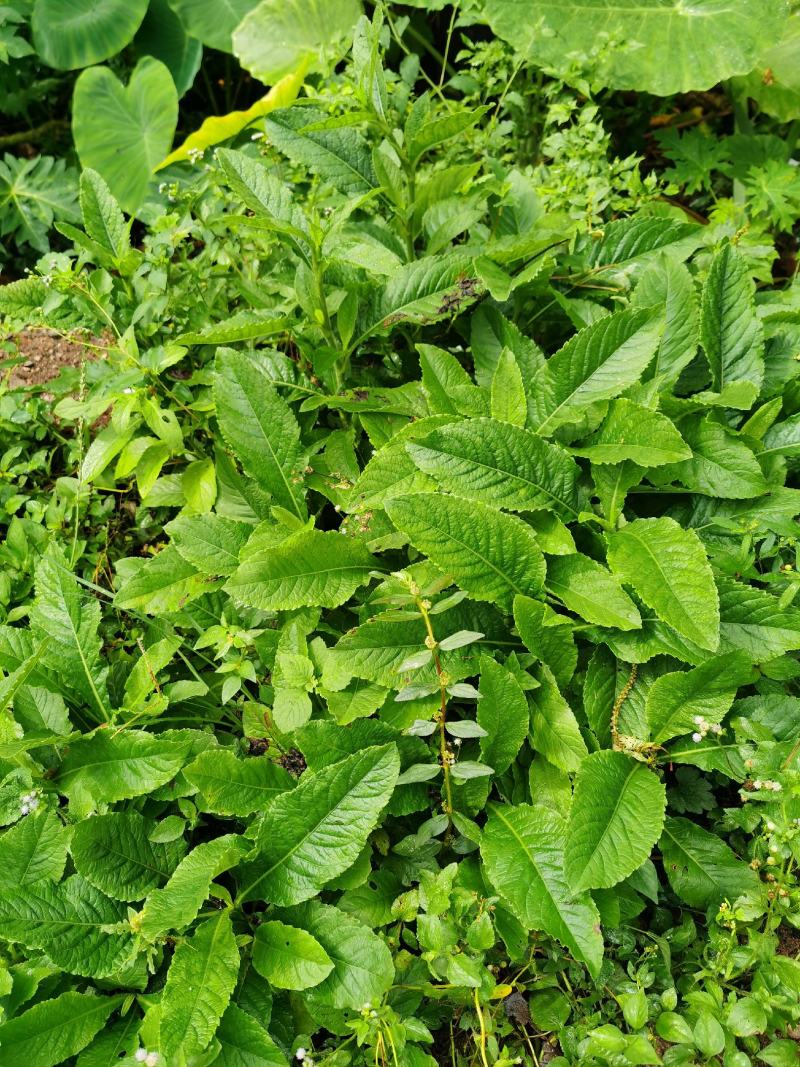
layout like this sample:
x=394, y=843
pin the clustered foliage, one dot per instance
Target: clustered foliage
x=398, y=636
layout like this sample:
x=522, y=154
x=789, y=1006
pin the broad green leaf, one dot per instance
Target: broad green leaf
x=113, y=852
x=702, y=870
x=669, y=284
x=698, y=44
x=754, y=621
x=81, y=930
x=289, y=958
x=721, y=464
x=243, y=326
x=391, y=471
x=311, y=568
x=523, y=853
x=117, y=1040
x=340, y=156
x=163, y=584
x=315, y=832
x=108, y=767
x=586, y=587
x=163, y=35
x=730, y=331
x=632, y=432
x=260, y=428
x=200, y=981
x=508, y=401
x=212, y=21
x=548, y=636
x=124, y=131
x=69, y=34
x=363, y=969
x=502, y=465
x=676, y=699
x=260, y=191
x=102, y=218
x=32, y=851
x=502, y=713
x=52, y=1031
x=773, y=83
x=142, y=681
x=598, y=363
x=625, y=241
x=555, y=731
x=491, y=555
x=616, y=817
x=177, y=904
x=231, y=786
x=278, y=36
x=668, y=568
x=245, y=1043
x=66, y=622
x=209, y=543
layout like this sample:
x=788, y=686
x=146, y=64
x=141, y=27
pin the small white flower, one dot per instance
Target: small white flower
x=33, y=803
x=24, y=809
x=140, y=1055
x=757, y=783
x=776, y=787
x=770, y=825
x=716, y=728
x=457, y=741
x=697, y=720
x=300, y=1054
x=152, y=1060
x=697, y=738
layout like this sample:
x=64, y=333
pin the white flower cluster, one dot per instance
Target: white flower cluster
x=303, y=1056
x=703, y=728
x=767, y=784
x=29, y=802
x=149, y=1059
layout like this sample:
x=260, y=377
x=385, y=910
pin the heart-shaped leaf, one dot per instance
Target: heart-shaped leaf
x=70, y=34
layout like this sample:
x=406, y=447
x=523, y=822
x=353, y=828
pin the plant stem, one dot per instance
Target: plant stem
x=444, y=755
x=482, y=1038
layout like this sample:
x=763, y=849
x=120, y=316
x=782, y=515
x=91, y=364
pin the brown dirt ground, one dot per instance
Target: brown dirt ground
x=46, y=352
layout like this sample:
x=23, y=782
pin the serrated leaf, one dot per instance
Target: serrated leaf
x=754, y=621
x=231, y=786
x=245, y=1043
x=632, y=432
x=200, y=981
x=676, y=699
x=508, y=400
x=164, y=584
x=113, y=852
x=587, y=588
x=523, y=853
x=598, y=363
x=729, y=327
x=502, y=465
x=340, y=156
x=627, y=240
x=491, y=555
x=548, y=636
x=616, y=817
x=503, y=714
x=102, y=218
x=668, y=283
x=289, y=958
x=260, y=427
x=310, y=568
x=313, y=833
x=52, y=1031
x=555, y=731
x=668, y=568
x=82, y=931
x=701, y=869
x=33, y=850
x=721, y=464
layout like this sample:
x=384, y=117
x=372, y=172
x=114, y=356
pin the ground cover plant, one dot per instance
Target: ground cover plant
x=399, y=629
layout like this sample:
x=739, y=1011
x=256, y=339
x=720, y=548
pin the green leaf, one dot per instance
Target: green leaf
x=616, y=817
x=669, y=284
x=309, y=568
x=668, y=568
x=209, y=543
x=231, y=786
x=721, y=464
x=278, y=36
x=555, y=731
x=260, y=428
x=245, y=1043
x=363, y=969
x=201, y=979
x=587, y=588
x=489, y=554
x=243, y=326
x=81, y=930
x=502, y=465
x=523, y=851
x=598, y=363
x=67, y=623
x=315, y=832
x=729, y=327
x=123, y=132
x=108, y=767
x=113, y=852
x=700, y=44
x=632, y=432
x=52, y=1031
x=548, y=636
x=163, y=584
x=69, y=34
x=701, y=869
x=177, y=904
x=261, y=192
x=162, y=35
x=32, y=851
x=341, y=156
x=289, y=958
x=102, y=218
x=625, y=241
x=212, y=21
x=754, y=621
x=502, y=713
x=676, y=699
x=508, y=400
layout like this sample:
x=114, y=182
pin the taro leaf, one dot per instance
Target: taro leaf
x=69, y=34
x=163, y=36
x=212, y=21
